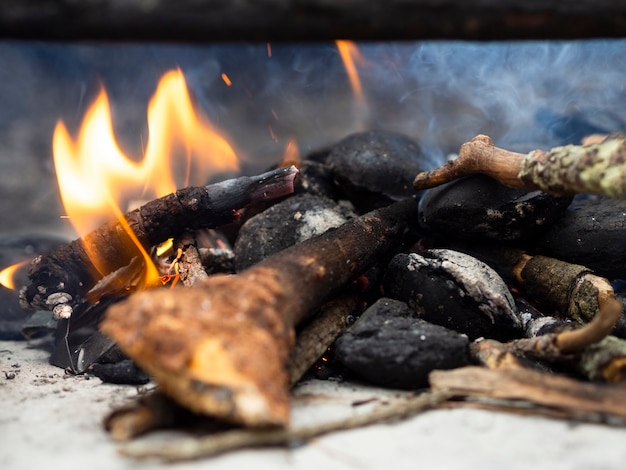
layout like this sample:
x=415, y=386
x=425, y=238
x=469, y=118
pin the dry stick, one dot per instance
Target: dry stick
x=571, y=169
x=187, y=448
x=576, y=399
x=222, y=347
x=60, y=279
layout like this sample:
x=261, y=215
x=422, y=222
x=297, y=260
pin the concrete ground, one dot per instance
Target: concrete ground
x=54, y=421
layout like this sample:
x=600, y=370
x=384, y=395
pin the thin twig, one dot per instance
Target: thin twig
x=187, y=448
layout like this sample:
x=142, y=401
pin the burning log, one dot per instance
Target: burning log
x=222, y=348
x=571, y=169
x=60, y=280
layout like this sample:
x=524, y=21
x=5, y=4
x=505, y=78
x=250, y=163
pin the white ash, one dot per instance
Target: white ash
x=478, y=280
x=317, y=221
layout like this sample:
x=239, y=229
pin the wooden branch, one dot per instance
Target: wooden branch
x=221, y=348
x=596, y=168
x=555, y=391
x=212, y=20
x=60, y=279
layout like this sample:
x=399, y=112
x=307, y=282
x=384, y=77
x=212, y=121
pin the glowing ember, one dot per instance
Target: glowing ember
x=97, y=180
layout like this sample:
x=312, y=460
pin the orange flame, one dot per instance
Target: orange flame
x=7, y=275
x=97, y=180
x=291, y=155
x=351, y=56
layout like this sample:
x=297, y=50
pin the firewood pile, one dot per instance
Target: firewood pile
x=493, y=281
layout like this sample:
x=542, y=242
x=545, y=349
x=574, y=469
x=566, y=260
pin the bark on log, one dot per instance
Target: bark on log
x=63, y=277
x=271, y=20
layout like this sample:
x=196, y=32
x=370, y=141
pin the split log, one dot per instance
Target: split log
x=597, y=168
x=60, y=279
x=222, y=347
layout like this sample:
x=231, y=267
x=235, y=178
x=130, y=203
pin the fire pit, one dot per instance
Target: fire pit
x=234, y=109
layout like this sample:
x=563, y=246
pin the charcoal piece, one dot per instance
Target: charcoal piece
x=376, y=167
x=13, y=250
x=124, y=372
x=390, y=346
x=286, y=223
x=454, y=290
x=480, y=208
x=591, y=233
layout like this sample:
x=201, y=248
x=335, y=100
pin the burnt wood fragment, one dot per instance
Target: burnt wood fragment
x=62, y=277
x=124, y=372
x=390, y=346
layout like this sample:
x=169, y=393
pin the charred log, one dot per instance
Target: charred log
x=60, y=279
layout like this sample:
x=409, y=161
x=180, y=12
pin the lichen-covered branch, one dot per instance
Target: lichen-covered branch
x=596, y=168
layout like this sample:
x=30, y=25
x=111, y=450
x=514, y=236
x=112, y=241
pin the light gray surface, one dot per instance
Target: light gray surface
x=49, y=420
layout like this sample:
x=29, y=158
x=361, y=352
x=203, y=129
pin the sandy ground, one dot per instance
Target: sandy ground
x=52, y=420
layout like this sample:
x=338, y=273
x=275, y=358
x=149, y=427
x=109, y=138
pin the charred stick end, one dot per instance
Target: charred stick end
x=249, y=190
x=274, y=184
x=476, y=156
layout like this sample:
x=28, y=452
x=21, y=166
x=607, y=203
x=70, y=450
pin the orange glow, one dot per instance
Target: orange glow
x=269, y=49
x=226, y=79
x=7, y=275
x=350, y=56
x=97, y=179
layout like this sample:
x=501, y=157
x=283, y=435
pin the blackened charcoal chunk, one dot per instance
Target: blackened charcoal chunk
x=284, y=224
x=591, y=233
x=454, y=290
x=390, y=346
x=124, y=372
x=479, y=208
x=376, y=167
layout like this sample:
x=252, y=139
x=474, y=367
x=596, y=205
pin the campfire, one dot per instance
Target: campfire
x=471, y=279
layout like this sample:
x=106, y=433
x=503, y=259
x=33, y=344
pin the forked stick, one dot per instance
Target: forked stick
x=596, y=168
